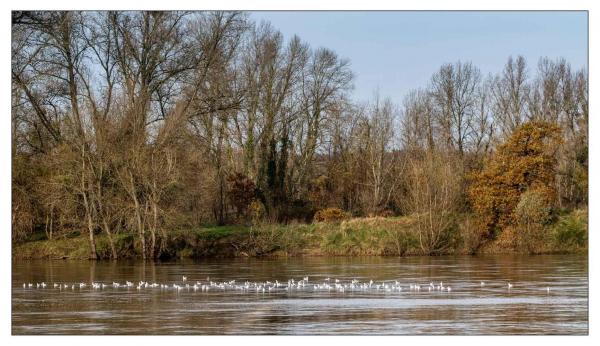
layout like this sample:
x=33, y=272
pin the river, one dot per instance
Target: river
x=549, y=295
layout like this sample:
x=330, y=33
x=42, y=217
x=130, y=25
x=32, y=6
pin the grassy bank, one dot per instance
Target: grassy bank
x=378, y=236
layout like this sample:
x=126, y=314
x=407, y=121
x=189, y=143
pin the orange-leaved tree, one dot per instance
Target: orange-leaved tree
x=525, y=162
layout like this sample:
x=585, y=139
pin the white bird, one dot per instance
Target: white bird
x=184, y=278
x=510, y=285
x=482, y=284
x=547, y=289
x=449, y=289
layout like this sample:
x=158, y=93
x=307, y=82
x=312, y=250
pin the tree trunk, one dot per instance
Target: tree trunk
x=155, y=228
x=111, y=242
x=88, y=208
x=140, y=228
x=51, y=230
x=93, y=254
x=138, y=217
x=152, y=233
x=46, y=228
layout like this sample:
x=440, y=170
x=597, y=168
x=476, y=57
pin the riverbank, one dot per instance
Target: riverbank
x=375, y=236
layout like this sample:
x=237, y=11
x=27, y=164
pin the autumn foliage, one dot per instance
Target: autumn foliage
x=525, y=162
x=330, y=215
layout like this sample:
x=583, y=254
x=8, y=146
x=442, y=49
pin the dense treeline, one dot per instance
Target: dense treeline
x=149, y=122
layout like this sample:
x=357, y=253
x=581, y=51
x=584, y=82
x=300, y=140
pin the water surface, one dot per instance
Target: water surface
x=468, y=309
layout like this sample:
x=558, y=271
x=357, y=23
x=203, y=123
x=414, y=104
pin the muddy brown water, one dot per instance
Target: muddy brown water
x=469, y=309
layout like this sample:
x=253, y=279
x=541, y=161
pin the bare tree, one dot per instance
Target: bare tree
x=510, y=92
x=454, y=92
x=377, y=139
x=418, y=122
x=432, y=194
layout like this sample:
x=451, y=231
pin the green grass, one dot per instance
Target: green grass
x=216, y=232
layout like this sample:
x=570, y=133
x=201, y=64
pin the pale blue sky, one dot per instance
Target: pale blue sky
x=398, y=51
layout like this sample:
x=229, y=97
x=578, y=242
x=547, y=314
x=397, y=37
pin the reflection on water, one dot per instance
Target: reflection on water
x=469, y=309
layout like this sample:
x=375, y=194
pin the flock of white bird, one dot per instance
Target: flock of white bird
x=304, y=284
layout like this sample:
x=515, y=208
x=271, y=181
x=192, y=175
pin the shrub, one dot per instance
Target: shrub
x=401, y=240
x=269, y=239
x=330, y=215
x=571, y=231
x=257, y=211
x=241, y=192
x=507, y=239
x=433, y=183
x=472, y=233
x=531, y=214
x=386, y=213
x=320, y=191
x=298, y=210
x=124, y=245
